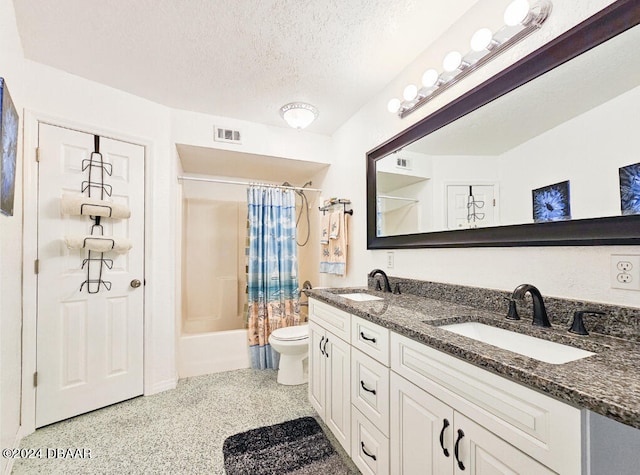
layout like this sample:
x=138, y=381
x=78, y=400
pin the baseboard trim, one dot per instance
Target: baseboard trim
x=161, y=386
x=6, y=470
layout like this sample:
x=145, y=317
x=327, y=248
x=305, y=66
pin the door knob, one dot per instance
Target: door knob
x=135, y=283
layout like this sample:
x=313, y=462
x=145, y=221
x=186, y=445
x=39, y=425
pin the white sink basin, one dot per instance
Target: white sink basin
x=360, y=297
x=536, y=348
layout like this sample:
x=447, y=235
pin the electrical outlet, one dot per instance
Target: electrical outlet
x=625, y=272
x=624, y=266
x=389, y=260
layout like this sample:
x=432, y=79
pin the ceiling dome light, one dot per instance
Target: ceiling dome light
x=430, y=78
x=298, y=114
x=481, y=39
x=394, y=105
x=410, y=92
x=452, y=61
x=516, y=13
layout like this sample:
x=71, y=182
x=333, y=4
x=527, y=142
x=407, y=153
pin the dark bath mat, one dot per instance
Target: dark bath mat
x=297, y=446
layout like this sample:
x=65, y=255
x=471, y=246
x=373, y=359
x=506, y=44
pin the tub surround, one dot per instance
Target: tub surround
x=605, y=383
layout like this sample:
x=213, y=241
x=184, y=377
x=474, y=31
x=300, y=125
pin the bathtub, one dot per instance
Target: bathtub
x=214, y=352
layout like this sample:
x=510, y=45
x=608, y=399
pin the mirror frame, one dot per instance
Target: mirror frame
x=613, y=230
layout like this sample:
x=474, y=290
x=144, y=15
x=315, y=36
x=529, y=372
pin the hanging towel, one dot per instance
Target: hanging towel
x=98, y=243
x=334, y=225
x=324, y=242
x=324, y=228
x=334, y=255
x=77, y=204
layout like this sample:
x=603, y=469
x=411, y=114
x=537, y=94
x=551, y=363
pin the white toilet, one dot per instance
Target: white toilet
x=293, y=345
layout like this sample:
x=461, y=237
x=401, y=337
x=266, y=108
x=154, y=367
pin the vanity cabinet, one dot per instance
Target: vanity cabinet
x=399, y=406
x=429, y=437
x=506, y=427
x=370, y=396
x=330, y=368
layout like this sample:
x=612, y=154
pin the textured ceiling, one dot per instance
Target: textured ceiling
x=238, y=58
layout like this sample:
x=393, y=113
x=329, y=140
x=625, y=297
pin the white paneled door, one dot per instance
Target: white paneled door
x=89, y=344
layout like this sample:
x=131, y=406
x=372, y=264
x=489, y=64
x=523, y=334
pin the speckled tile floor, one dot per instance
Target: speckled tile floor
x=175, y=432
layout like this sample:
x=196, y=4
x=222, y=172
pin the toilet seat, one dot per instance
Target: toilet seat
x=294, y=333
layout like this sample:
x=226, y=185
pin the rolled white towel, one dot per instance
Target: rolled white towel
x=77, y=204
x=98, y=243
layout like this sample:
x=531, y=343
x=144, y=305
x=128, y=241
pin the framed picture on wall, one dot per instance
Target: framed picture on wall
x=630, y=189
x=551, y=203
x=9, y=147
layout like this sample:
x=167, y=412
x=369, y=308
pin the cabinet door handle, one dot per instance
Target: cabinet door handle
x=372, y=391
x=367, y=453
x=455, y=449
x=321, y=350
x=372, y=340
x=445, y=424
x=324, y=348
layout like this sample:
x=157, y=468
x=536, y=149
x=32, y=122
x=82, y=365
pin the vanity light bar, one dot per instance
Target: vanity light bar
x=520, y=19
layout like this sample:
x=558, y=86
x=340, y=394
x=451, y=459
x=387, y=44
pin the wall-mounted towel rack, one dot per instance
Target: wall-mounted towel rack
x=331, y=204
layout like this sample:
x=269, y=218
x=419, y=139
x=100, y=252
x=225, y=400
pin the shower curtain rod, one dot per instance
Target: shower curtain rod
x=231, y=182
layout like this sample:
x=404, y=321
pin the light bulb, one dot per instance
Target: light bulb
x=394, y=105
x=452, y=61
x=430, y=78
x=516, y=12
x=481, y=39
x=410, y=92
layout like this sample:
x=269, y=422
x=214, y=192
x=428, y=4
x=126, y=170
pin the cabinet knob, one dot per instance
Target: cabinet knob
x=135, y=283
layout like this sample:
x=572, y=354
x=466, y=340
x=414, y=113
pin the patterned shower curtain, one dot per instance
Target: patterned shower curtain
x=272, y=277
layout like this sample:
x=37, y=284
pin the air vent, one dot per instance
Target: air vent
x=404, y=163
x=221, y=134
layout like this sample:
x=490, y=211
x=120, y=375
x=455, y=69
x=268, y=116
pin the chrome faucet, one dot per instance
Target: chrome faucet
x=540, y=318
x=387, y=285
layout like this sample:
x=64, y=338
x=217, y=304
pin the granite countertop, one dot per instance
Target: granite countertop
x=607, y=383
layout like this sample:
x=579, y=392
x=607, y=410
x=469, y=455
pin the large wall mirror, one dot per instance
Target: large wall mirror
x=544, y=153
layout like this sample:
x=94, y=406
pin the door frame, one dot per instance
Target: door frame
x=32, y=120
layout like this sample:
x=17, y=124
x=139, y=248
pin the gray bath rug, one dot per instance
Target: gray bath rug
x=293, y=447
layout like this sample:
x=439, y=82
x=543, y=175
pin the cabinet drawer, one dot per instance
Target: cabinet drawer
x=330, y=318
x=544, y=428
x=369, y=446
x=370, y=389
x=371, y=339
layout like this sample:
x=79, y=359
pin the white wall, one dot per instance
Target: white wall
x=592, y=147
x=194, y=128
x=571, y=272
x=10, y=252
